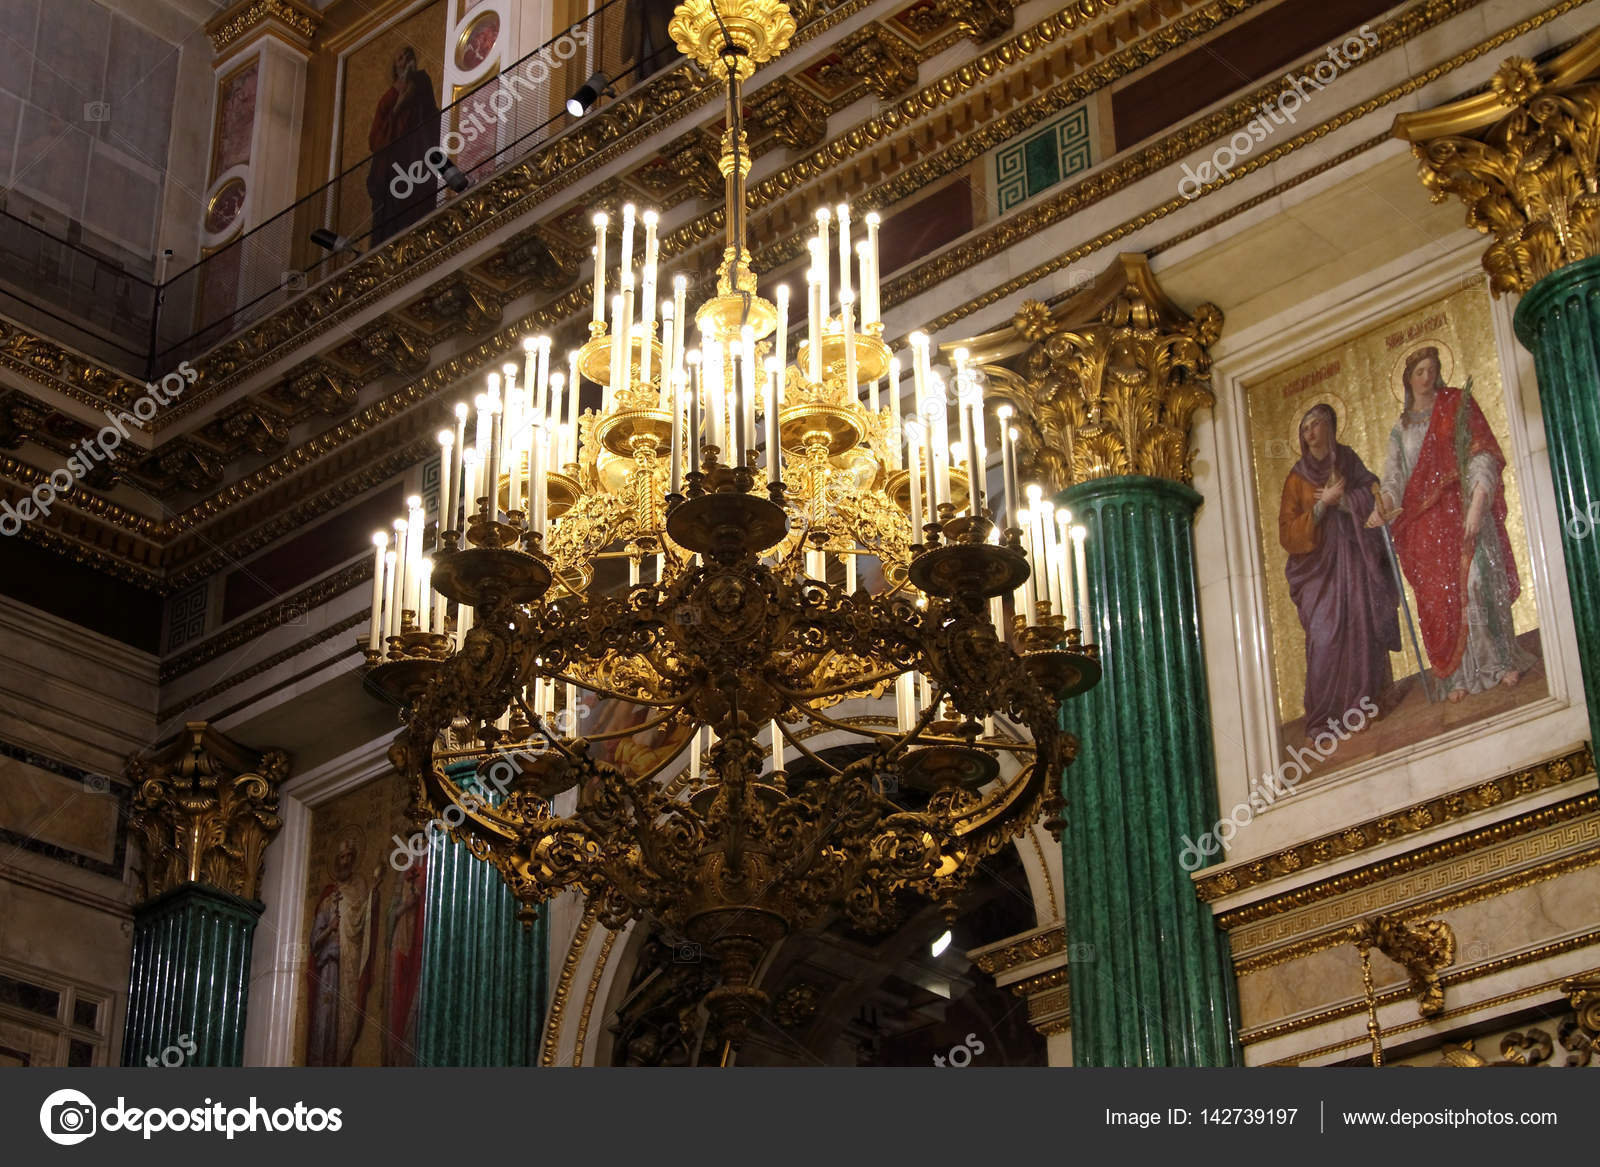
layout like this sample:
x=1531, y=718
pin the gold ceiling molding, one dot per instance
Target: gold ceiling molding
x=1522, y=157
x=1049, y=880
x=1585, y=833
x=1566, y=767
x=1017, y=230
x=1258, y=1034
x=205, y=808
x=1022, y=950
x=288, y=19
x=563, y=989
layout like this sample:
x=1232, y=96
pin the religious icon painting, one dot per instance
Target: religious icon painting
x=1398, y=578
x=363, y=932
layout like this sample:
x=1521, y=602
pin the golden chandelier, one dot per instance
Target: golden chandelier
x=740, y=633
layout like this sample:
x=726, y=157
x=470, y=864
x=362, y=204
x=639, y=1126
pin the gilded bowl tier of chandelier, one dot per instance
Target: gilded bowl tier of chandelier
x=739, y=630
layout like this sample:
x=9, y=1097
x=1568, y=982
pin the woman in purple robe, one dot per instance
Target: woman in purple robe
x=1339, y=574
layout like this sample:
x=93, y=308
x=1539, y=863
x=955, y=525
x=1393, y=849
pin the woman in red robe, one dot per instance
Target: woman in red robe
x=1445, y=504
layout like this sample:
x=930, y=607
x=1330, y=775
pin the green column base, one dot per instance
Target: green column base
x=1559, y=322
x=190, y=978
x=484, y=974
x=1151, y=977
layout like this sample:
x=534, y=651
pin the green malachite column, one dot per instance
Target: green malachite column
x=1152, y=980
x=204, y=809
x=484, y=974
x=1559, y=321
x=190, y=979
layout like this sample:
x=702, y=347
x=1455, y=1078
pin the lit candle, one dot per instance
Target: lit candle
x=647, y=286
x=457, y=485
x=536, y=475
x=497, y=441
x=680, y=290
x=541, y=497
x=820, y=259
x=481, y=445
x=845, y=246
x=414, y=525
x=391, y=588
x=666, y=352
x=939, y=445
x=864, y=264
x=398, y=596
x=600, y=268
x=380, y=543
x=774, y=445
x=447, y=487
x=626, y=328
x=626, y=258
x=471, y=471
x=1008, y=455
x=558, y=385
x=914, y=460
x=1064, y=539
x=894, y=412
x=976, y=470
x=747, y=393
x=425, y=595
x=873, y=307
x=1078, y=536
x=716, y=410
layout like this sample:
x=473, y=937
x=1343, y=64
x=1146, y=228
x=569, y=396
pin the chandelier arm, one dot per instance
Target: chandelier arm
x=614, y=694
x=834, y=690
x=634, y=730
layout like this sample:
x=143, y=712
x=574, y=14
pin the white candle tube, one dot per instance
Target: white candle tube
x=542, y=386
x=463, y=624
x=447, y=485
x=669, y=329
x=481, y=445
x=939, y=445
x=966, y=454
x=694, y=754
x=919, y=375
x=864, y=265
x=380, y=544
x=895, y=460
x=716, y=408
x=414, y=527
x=600, y=268
x=874, y=310
x=693, y=435
x=914, y=461
x=425, y=595
x=1008, y=455
x=774, y=439
x=628, y=334
x=846, y=244
x=680, y=292
x=975, y=467
x=647, y=285
x=457, y=485
x=401, y=550
x=675, y=408
x=813, y=323
x=541, y=498
x=1031, y=584
x=471, y=472
x=822, y=262
x=633, y=571
x=626, y=258
x=1069, y=610
x=497, y=445
x=849, y=573
x=777, y=747
x=752, y=383
x=574, y=386
x=614, y=378
x=847, y=320
x=552, y=419
x=1079, y=534
x=781, y=340
x=391, y=589
x=572, y=710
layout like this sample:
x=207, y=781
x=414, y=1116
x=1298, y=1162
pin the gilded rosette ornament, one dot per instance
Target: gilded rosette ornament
x=1522, y=157
x=758, y=29
x=205, y=809
x=1106, y=382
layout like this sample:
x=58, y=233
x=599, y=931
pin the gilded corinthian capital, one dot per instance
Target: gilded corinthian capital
x=1106, y=382
x=1522, y=157
x=205, y=809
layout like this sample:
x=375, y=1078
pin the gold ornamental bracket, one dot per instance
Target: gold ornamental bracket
x=205, y=809
x=758, y=29
x=1423, y=949
x=1522, y=156
x=1104, y=382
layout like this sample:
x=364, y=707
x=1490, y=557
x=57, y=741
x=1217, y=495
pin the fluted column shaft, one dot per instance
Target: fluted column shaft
x=1152, y=980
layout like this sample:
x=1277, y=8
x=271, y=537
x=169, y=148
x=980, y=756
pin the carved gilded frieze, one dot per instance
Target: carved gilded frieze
x=294, y=22
x=1523, y=158
x=205, y=809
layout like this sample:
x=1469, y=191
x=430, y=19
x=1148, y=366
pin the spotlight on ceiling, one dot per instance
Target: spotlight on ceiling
x=453, y=178
x=588, y=93
x=330, y=240
x=938, y=946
